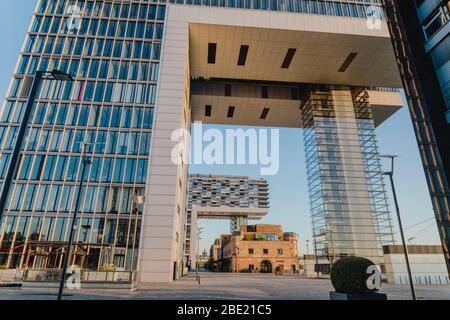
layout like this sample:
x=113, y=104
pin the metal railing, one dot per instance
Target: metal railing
x=54, y=275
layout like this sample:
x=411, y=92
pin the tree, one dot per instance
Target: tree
x=210, y=264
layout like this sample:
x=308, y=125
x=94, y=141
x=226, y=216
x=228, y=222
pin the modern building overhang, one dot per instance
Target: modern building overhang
x=320, y=52
x=258, y=45
x=282, y=109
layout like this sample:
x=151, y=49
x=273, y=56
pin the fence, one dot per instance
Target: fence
x=54, y=275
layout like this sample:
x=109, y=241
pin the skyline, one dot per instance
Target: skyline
x=394, y=136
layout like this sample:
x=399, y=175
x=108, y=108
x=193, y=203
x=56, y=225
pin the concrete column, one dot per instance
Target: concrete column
x=348, y=200
x=161, y=235
x=360, y=213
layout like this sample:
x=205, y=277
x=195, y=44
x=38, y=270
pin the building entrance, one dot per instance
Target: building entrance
x=266, y=266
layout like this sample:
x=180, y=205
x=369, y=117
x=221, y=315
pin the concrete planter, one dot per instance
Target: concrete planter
x=357, y=296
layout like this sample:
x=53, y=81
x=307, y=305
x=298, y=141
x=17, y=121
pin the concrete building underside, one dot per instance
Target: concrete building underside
x=278, y=69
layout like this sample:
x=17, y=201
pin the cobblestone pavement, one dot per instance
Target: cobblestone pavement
x=225, y=286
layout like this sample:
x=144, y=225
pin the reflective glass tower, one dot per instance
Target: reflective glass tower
x=420, y=32
x=112, y=49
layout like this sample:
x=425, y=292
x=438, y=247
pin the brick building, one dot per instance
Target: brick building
x=259, y=248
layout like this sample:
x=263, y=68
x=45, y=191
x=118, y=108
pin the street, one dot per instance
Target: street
x=216, y=286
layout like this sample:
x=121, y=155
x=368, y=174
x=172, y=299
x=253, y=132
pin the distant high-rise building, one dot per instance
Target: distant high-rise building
x=420, y=32
x=237, y=198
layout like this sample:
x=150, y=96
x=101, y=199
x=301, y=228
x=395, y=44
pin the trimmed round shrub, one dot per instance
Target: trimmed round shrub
x=349, y=275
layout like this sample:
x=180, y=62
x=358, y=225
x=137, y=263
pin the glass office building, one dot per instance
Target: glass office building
x=114, y=57
x=420, y=31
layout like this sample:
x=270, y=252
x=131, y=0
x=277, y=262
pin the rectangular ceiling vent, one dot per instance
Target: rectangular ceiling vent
x=243, y=55
x=288, y=58
x=208, y=110
x=348, y=61
x=212, y=48
x=264, y=113
x=231, y=112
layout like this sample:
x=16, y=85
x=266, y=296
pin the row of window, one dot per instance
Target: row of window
x=61, y=198
x=346, y=8
x=98, y=230
x=100, y=28
x=265, y=252
x=104, y=142
x=96, y=69
x=350, y=8
x=136, y=10
x=67, y=168
x=80, y=115
x=97, y=91
x=145, y=50
x=115, y=234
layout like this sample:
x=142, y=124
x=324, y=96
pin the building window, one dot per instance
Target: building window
x=265, y=251
x=250, y=251
x=280, y=251
x=267, y=236
x=435, y=24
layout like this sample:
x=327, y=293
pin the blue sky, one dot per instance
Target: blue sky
x=288, y=191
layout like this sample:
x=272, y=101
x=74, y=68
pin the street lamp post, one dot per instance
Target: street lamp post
x=330, y=232
x=86, y=161
x=14, y=163
x=405, y=248
x=325, y=232
x=306, y=256
x=316, y=267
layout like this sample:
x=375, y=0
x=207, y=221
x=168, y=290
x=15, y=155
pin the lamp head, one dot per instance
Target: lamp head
x=388, y=156
x=61, y=76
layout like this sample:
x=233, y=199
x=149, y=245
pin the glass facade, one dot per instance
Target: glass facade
x=341, y=8
x=422, y=50
x=114, y=58
x=349, y=210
